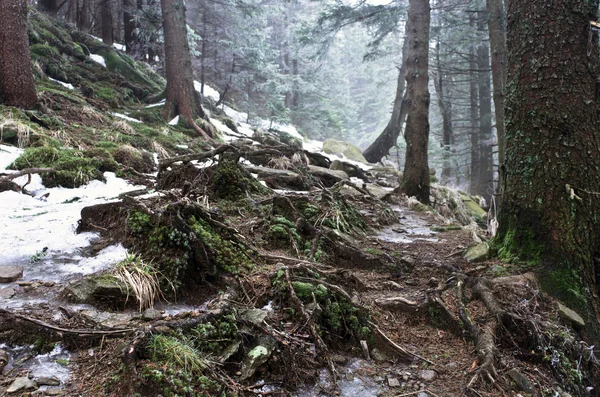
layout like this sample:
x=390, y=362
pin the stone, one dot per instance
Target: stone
x=423, y=394
x=23, y=383
x=96, y=287
x=327, y=176
x=3, y=359
x=8, y=274
x=47, y=381
x=348, y=150
x=107, y=319
x=254, y=316
x=256, y=357
x=478, y=253
x=521, y=381
x=378, y=355
x=570, y=315
x=53, y=391
x=473, y=208
x=7, y=293
x=427, y=375
x=230, y=350
x=151, y=314
x=350, y=169
x=393, y=382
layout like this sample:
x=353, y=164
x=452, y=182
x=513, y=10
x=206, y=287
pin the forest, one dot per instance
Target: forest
x=300, y=198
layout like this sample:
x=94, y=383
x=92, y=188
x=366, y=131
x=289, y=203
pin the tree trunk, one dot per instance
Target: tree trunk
x=415, y=181
x=388, y=138
x=497, y=33
x=107, y=23
x=485, y=185
x=17, y=87
x=473, y=114
x=84, y=21
x=48, y=6
x=551, y=211
x=182, y=98
x=129, y=25
x=446, y=111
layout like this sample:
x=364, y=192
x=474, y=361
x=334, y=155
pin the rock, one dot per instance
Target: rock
x=478, y=253
x=257, y=357
x=53, y=391
x=7, y=293
x=3, y=359
x=151, y=314
x=378, y=191
x=254, y=316
x=327, y=176
x=350, y=169
x=8, y=274
x=423, y=394
x=427, y=375
x=47, y=381
x=570, y=315
x=393, y=382
x=348, y=150
x=107, y=319
x=521, y=381
x=472, y=206
x=97, y=287
x=230, y=350
x=23, y=383
x=378, y=355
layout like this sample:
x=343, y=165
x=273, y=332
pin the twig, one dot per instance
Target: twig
x=398, y=347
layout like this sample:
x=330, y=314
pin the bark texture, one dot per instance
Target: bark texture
x=445, y=106
x=107, y=23
x=415, y=181
x=129, y=25
x=388, y=137
x=49, y=6
x=182, y=98
x=473, y=114
x=550, y=208
x=17, y=86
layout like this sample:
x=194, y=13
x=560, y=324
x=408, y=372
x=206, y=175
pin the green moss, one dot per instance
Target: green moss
x=231, y=182
x=43, y=51
x=139, y=222
x=519, y=246
x=108, y=95
x=213, y=337
x=122, y=64
x=73, y=169
x=565, y=283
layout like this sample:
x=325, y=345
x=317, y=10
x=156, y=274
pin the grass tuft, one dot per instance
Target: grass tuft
x=141, y=278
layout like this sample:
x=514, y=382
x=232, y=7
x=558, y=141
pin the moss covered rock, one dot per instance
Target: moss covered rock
x=350, y=151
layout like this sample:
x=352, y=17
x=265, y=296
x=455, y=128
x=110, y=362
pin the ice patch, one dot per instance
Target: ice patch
x=98, y=59
x=125, y=117
x=67, y=85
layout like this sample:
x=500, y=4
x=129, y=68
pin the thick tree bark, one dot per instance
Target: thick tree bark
x=446, y=111
x=182, y=98
x=485, y=185
x=415, y=181
x=107, y=23
x=473, y=114
x=551, y=211
x=84, y=18
x=388, y=137
x=497, y=33
x=17, y=87
x=129, y=25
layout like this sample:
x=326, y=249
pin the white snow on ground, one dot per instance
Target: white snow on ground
x=98, y=59
x=125, y=117
x=228, y=134
x=69, y=86
x=29, y=224
x=119, y=47
x=174, y=121
x=161, y=103
x=209, y=92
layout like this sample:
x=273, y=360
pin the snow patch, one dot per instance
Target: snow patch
x=69, y=86
x=125, y=117
x=119, y=47
x=174, y=121
x=209, y=92
x=98, y=59
x=161, y=103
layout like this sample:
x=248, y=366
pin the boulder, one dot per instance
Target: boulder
x=350, y=169
x=570, y=315
x=257, y=357
x=327, y=176
x=151, y=314
x=97, y=287
x=8, y=274
x=478, y=253
x=473, y=207
x=427, y=375
x=23, y=383
x=523, y=384
x=254, y=316
x=348, y=150
x=47, y=381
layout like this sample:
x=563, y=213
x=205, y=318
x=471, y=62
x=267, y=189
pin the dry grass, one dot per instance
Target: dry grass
x=23, y=131
x=280, y=163
x=124, y=126
x=142, y=280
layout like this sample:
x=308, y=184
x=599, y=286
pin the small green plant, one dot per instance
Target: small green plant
x=39, y=255
x=179, y=352
x=62, y=361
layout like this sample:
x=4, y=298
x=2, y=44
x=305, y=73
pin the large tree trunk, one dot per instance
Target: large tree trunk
x=129, y=25
x=182, y=98
x=387, y=139
x=497, y=33
x=446, y=111
x=107, y=23
x=17, y=87
x=473, y=114
x=84, y=20
x=415, y=181
x=485, y=185
x=551, y=211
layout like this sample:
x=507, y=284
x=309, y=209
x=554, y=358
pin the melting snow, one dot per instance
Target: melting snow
x=69, y=86
x=209, y=92
x=174, y=121
x=123, y=116
x=161, y=103
x=98, y=59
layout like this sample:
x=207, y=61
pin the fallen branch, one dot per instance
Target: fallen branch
x=26, y=171
x=194, y=156
x=405, y=353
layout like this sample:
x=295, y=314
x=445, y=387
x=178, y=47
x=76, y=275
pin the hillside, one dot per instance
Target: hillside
x=137, y=260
